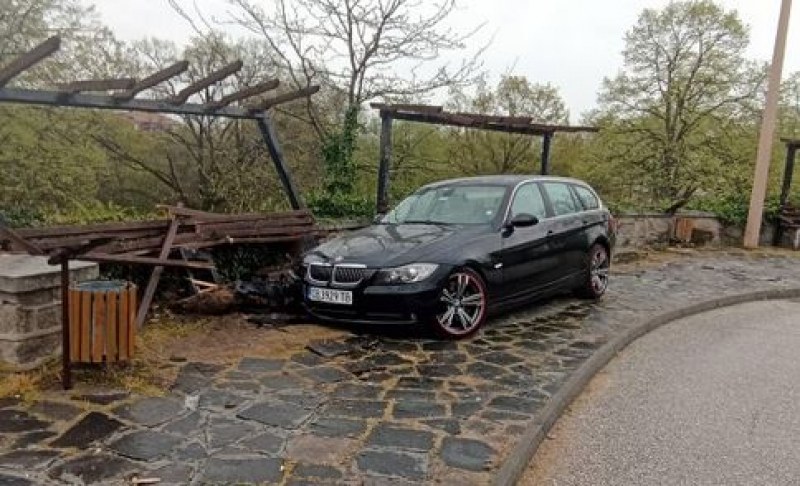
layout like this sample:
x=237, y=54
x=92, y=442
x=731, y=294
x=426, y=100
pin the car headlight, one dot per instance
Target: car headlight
x=415, y=272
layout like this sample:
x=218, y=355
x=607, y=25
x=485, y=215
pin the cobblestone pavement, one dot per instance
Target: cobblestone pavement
x=366, y=409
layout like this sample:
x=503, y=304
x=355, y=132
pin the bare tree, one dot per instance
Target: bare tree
x=362, y=49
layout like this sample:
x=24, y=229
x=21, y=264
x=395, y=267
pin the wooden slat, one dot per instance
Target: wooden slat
x=86, y=327
x=200, y=215
x=152, y=283
x=285, y=98
x=153, y=79
x=124, y=315
x=406, y=107
x=97, y=85
x=131, y=320
x=29, y=59
x=135, y=260
x=98, y=327
x=15, y=237
x=204, y=83
x=244, y=94
x=74, y=325
x=100, y=228
x=112, y=323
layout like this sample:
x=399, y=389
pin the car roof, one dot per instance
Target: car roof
x=501, y=180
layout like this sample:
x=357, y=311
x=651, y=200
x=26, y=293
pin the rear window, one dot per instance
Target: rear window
x=586, y=197
x=561, y=198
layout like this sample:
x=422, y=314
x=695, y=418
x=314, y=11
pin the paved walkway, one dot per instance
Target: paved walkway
x=368, y=409
x=711, y=399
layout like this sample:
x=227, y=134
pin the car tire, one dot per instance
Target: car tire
x=464, y=300
x=595, y=279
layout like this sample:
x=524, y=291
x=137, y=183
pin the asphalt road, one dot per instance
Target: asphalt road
x=713, y=399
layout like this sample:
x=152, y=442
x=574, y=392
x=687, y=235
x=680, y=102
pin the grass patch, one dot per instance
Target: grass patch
x=149, y=373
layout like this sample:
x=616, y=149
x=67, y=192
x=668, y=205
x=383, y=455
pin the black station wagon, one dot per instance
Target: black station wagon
x=456, y=250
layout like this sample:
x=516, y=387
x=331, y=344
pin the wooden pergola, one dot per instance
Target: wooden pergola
x=437, y=116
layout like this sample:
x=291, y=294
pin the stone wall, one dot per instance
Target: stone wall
x=644, y=230
x=30, y=308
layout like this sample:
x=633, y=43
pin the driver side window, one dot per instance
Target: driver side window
x=528, y=200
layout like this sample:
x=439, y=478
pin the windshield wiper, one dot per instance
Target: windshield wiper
x=425, y=221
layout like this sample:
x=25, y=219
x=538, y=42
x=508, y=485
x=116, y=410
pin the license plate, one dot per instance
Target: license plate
x=330, y=296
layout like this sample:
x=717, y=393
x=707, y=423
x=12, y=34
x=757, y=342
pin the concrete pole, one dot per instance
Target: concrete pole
x=753, y=228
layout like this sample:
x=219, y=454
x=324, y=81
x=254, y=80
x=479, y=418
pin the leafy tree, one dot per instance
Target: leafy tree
x=684, y=89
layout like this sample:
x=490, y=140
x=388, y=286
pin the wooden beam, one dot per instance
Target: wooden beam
x=152, y=284
x=275, y=152
x=205, y=216
x=462, y=120
x=285, y=98
x=139, y=260
x=19, y=240
x=30, y=58
x=103, y=102
x=548, y=137
x=407, y=107
x=97, y=85
x=152, y=80
x=245, y=93
x=204, y=83
x=384, y=163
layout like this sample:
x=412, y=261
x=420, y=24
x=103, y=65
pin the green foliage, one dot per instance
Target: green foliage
x=339, y=197
x=340, y=205
x=733, y=208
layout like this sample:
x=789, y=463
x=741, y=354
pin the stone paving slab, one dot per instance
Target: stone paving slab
x=376, y=409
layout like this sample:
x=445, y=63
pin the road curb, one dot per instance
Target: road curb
x=522, y=452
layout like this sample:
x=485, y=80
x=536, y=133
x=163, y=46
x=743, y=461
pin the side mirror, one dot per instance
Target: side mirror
x=522, y=220
x=378, y=219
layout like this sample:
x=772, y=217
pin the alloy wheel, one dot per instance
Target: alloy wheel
x=464, y=301
x=598, y=270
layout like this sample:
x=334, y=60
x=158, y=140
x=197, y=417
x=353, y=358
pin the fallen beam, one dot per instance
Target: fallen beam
x=244, y=94
x=19, y=240
x=30, y=58
x=285, y=98
x=139, y=260
x=204, y=83
x=152, y=80
x=97, y=85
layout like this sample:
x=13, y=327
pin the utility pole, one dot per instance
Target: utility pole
x=753, y=229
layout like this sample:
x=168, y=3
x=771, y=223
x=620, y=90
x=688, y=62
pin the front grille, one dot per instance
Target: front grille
x=320, y=273
x=348, y=275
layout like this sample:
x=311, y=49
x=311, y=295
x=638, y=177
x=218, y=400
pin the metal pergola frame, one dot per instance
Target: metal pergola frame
x=437, y=116
x=80, y=94
x=77, y=94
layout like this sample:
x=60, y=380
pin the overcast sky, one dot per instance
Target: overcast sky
x=572, y=44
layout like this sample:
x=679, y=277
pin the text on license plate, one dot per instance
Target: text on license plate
x=330, y=296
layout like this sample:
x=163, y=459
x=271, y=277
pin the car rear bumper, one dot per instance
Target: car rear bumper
x=380, y=304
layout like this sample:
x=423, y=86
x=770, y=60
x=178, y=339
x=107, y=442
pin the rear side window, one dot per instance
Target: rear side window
x=528, y=200
x=587, y=199
x=561, y=198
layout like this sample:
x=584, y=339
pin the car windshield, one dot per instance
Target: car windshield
x=459, y=204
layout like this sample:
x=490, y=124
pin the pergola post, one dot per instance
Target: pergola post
x=786, y=186
x=546, y=139
x=275, y=152
x=788, y=172
x=385, y=162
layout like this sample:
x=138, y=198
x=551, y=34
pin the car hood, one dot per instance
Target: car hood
x=396, y=244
